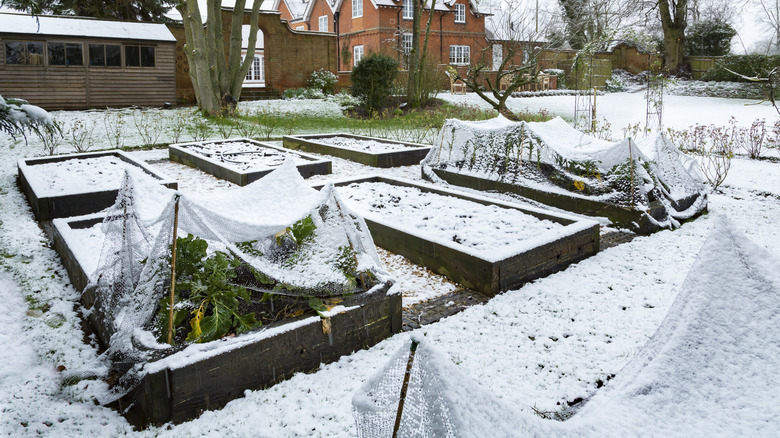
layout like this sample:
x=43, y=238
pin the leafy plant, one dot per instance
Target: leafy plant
x=324, y=81
x=205, y=292
x=372, y=79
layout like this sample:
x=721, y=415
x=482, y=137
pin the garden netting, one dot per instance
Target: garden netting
x=554, y=157
x=236, y=249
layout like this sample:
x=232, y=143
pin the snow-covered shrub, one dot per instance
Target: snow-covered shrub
x=114, y=125
x=323, y=80
x=614, y=85
x=149, y=126
x=558, y=73
x=346, y=101
x=80, y=136
x=303, y=93
x=17, y=117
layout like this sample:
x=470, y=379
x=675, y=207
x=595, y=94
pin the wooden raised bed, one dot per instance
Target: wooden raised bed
x=47, y=207
x=412, y=153
x=640, y=222
x=181, y=386
x=180, y=154
x=578, y=240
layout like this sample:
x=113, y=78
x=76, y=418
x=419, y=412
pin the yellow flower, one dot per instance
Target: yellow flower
x=579, y=185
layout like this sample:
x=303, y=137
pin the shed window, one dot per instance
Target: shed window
x=139, y=56
x=357, y=8
x=460, y=13
x=24, y=52
x=460, y=55
x=105, y=55
x=65, y=53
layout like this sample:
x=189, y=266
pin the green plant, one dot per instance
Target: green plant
x=745, y=66
x=709, y=38
x=303, y=93
x=324, y=81
x=204, y=293
x=372, y=80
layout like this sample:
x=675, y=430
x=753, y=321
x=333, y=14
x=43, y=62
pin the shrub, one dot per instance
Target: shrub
x=748, y=65
x=709, y=38
x=324, y=81
x=303, y=93
x=372, y=79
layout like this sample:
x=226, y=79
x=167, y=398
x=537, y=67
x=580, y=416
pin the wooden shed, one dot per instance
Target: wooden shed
x=81, y=63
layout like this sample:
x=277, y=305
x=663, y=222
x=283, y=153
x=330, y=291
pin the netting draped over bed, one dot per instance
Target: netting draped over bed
x=297, y=241
x=553, y=156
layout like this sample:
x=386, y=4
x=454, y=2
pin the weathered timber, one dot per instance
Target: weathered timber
x=75, y=204
x=638, y=221
x=412, y=154
x=578, y=240
x=180, y=154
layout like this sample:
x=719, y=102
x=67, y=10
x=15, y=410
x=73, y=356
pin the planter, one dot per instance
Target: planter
x=207, y=376
x=90, y=184
x=488, y=272
x=638, y=221
x=243, y=161
x=376, y=152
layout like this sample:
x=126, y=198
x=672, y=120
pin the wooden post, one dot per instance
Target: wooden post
x=173, y=270
x=593, y=111
x=631, y=158
x=404, y=387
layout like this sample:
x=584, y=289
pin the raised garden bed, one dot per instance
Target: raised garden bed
x=206, y=376
x=242, y=161
x=376, y=152
x=78, y=184
x=517, y=243
x=641, y=222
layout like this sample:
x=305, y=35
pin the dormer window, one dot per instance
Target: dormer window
x=460, y=13
x=408, y=11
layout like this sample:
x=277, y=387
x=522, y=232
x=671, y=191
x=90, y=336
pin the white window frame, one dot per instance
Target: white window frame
x=408, y=10
x=460, y=13
x=357, y=55
x=460, y=55
x=357, y=8
x=300, y=28
x=498, y=56
x=323, y=23
x=256, y=72
x=407, y=40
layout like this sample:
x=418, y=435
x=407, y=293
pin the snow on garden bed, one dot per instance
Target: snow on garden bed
x=482, y=228
x=371, y=151
x=244, y=155
x=362, y=144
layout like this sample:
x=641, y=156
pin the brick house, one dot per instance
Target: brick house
x=365, y=26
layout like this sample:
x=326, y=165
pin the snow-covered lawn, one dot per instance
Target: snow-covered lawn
x=540, y=346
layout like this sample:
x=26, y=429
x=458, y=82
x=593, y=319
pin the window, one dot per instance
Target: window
x=139, y=56
x=65, y=53
x=105, y=55
x=460, y=55
x=408, y=10
x=498, y=56
x=357, y=55
x=323, y=23
x=406, y=46
x=460, y=13
x=24, y=52
x=357, y=8
x=256, y=72
x=299, y=28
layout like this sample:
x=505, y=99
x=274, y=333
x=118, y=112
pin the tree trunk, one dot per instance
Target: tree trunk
x=412, y=96
x=673, y=20
x=217, y=77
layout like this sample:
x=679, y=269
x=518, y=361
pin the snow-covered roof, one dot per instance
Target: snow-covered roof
x=297, y=7
x=83, y=27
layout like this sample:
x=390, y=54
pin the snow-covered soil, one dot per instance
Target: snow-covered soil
x=550, y=342
x=79, y=175
x=483, y=229
x=361, y=144
x=243, y=156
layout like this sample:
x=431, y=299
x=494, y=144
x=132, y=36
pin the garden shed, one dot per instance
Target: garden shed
x=79, y=63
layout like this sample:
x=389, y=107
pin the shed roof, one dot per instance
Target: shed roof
x=83, y=27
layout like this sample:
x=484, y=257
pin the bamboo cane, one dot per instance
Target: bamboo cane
x=404, y=387
x=173, y=270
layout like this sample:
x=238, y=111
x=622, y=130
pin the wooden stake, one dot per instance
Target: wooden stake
x=173, y=270
x=631, y=158
x=404, y=387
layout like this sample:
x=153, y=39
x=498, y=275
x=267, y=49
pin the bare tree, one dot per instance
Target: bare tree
x=674, y=19
x=217, y=77
x=771, y=18
x=514, y=32
x=593, y=20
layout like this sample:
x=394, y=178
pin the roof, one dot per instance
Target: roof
x=297, y=7
x=83, y=27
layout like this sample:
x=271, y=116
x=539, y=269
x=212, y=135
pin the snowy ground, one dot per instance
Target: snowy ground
x=540, y=346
